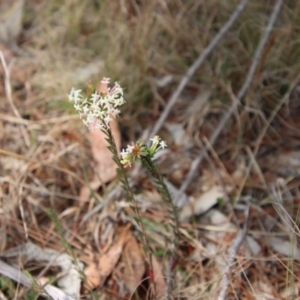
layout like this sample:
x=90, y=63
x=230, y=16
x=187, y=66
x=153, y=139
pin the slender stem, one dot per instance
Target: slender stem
x=129, y=194
x=167, y=198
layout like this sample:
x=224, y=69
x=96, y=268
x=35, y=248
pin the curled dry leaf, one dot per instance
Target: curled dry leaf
x=97, y=273
x=133, y=259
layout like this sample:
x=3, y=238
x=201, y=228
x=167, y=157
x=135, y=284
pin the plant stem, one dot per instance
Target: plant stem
x=129, y=195
x=162, y=188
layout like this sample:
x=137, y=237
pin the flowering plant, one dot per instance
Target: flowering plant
x=97, y=111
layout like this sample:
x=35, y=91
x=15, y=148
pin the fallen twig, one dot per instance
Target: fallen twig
x=231, y=256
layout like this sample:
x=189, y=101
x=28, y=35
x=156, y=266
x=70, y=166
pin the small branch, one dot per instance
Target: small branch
x=231, y=257
x=196, y=65
x=7, y=85
x=8, y=93
x=240, y=95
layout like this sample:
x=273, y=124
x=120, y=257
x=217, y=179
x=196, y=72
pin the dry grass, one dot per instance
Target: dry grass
x=45, y=154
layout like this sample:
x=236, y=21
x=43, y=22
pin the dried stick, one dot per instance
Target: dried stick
x=240, y=95
x=196, y=65
x=231, y=256
x=7, y=84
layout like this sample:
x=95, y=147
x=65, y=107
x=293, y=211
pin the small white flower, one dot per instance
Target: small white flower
x=105, y=80
x=107, y=119
x=124, y=153
x=104, y=101
x=90, y=117
x=71, y=95
x=118, y=102
x=99, y=125
x=85, y=122
x=86, y=109
x=163, y=144
x=155, y=139
x=113, y=111
x=95, y=97
x=129, y=148
x=102, y=114
x=74, y=95
x=157, y=144
x=116, y=90
x=78, y=107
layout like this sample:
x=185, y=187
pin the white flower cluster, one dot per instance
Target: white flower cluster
x=137, y=151
x=157, y=144
x=101, y=107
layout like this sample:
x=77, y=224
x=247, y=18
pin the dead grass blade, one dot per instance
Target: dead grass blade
x=232, y=254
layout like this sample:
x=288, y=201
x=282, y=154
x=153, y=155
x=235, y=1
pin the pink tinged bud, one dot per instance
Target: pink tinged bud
x=103, y=86
x=95, y=125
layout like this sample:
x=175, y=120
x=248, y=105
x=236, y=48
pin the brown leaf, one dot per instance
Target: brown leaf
x=97, y=273
x=106, y=167
x=133, y=259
